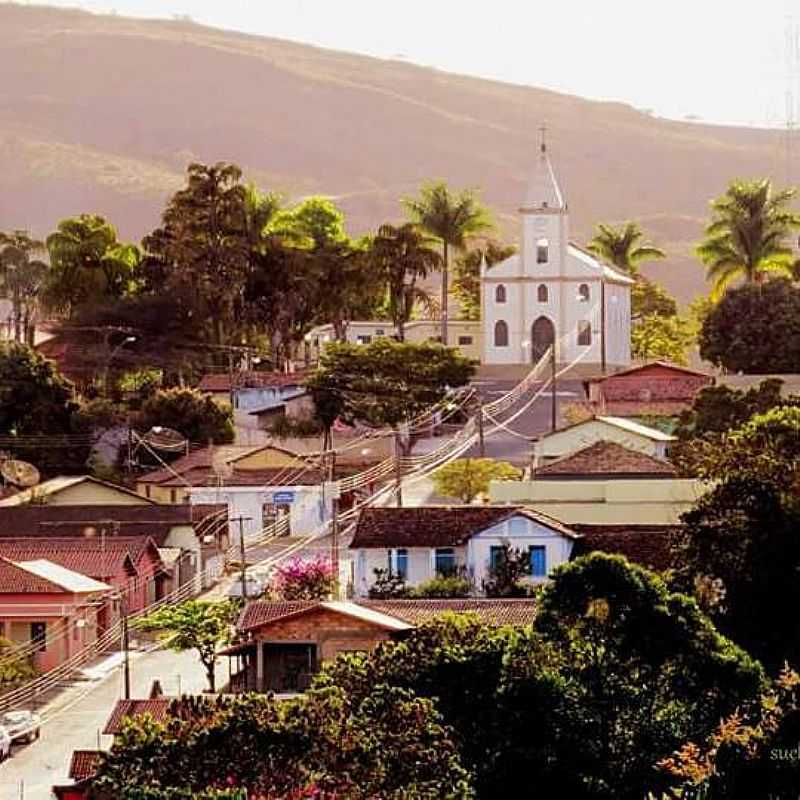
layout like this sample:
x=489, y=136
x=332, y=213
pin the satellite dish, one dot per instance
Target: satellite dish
x=165, y=439
x=19, y=473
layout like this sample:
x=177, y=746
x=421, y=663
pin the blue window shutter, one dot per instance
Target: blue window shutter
x=538, y=561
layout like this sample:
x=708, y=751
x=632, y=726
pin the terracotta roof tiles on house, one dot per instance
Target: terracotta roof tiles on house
x=271, y=476
x=490, y=610
x=604, y=459
x=78, y=555
x=84, y=764
x=648, y=545
x=437, y=526
x=262, y=612
x=127, y=709
x=15, y=579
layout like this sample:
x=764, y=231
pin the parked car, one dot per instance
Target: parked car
x=253, y=586
x=22, y=726
x=5, y=744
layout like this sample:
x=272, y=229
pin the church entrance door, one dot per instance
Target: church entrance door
x=543, y=334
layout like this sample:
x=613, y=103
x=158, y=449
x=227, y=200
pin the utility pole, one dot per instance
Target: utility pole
x=553, y=410
x=334, y=523
x=241, y=520
x=481, y=443
x=398, y=476
x=126, y=646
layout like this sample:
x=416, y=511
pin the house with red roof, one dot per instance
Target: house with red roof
x=420, y=543
x=49, y=608
x=285, y=643
x=658, y=388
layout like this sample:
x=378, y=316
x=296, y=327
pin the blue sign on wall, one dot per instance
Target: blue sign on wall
x=282, y=498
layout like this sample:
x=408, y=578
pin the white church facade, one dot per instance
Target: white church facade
x=553, y=291
x=550, y=291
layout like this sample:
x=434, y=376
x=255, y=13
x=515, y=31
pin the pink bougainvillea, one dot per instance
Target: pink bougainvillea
x=304, y=579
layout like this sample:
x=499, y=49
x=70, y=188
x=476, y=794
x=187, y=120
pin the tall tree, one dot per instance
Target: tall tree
x=401, y=256
x=313, y=222
x=21, y=277
x=202, y=246
x=623, y=247
x=747, y=235
x=87, y=263
x=452, y=218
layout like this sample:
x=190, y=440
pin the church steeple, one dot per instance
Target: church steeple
x=543, y=192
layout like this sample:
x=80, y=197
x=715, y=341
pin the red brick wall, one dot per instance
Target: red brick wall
x=331, y=632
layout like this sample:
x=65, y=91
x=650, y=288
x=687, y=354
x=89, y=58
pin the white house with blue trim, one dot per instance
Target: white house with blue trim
x=421, y=542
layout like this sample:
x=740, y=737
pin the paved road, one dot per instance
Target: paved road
x=79, y=714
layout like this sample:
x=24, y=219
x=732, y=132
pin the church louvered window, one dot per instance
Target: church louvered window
x=500, y=294
x=583, y=293
x=500, y=334
x=541, y=251
x=584, y=333
x=541, y=293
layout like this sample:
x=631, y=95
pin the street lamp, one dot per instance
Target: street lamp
x=126, y=340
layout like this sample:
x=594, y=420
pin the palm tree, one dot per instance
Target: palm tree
x=21, y=277
x=623, y=246
x=451, y=218
x=87, y=263
x=401, y=255
x=747, y=235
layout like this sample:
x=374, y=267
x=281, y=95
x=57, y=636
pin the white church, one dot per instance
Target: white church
x=551, y=291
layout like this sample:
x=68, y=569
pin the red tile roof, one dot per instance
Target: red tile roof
x=78, y=555
x=436, y=526
x=125, y=709
x=648, y=545
x=606, y=459
x=84, y=764
x=17, y=580
x=649, y=366
x=274, y=476
x=490, y=610
x=221, y=381
x=72, y=521
x=259, y=613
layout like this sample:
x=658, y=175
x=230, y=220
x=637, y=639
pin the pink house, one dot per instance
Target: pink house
x=49, y=606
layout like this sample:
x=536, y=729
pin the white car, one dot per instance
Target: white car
x=22, y=726
x=5, y=744
x=253, y=586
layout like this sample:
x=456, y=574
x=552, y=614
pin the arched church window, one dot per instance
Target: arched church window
x=584, y=333
x=542, y=294
x=500, y=334
x=583, y=293
x=541, y=251
x=500, y=294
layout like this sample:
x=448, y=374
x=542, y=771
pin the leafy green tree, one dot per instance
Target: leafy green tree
x=467, y=478
x=650, y=299
x=15, y=669
x=467, y=280
x=747, y=235
x=452, y=218
x=387, y=743
x=22, y=275
x=313, y=223
x=618, y=673
x=87, y=264
x=401, y=256
x=385, y=382
x=193, y=625
x=666, y=338
x=718, y=409
x=201, y=252
x=623, y=247
x=506, y=575
x=754, y=329
x=197, y=416
x=442, y=586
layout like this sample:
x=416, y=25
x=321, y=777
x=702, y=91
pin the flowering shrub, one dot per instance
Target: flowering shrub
x=304, y=579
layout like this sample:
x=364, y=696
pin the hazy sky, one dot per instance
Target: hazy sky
x=722, y=60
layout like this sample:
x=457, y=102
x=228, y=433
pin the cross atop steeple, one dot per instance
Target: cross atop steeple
x=543, y=190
